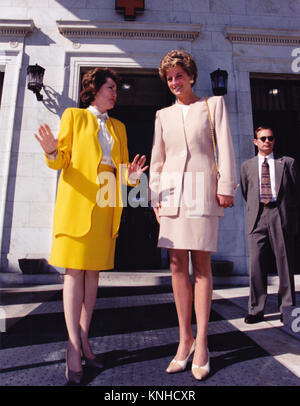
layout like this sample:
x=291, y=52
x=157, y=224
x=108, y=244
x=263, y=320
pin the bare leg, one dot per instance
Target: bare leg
x=202, y=302
x=73, y=292
x=183, y=295
x=90, y=294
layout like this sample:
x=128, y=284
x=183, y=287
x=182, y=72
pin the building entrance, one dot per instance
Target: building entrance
x=276, y=104
x=140, y=94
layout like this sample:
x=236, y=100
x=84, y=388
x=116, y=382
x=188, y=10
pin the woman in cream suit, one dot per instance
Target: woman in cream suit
x=91, y=151
x=188, y=199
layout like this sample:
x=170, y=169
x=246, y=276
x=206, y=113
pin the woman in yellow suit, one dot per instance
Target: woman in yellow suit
x=91, y=150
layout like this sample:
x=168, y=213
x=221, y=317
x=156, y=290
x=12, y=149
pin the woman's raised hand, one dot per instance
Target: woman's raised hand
x=46, y=139
x=136, y=168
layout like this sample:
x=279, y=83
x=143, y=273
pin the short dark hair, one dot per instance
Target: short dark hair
x=181, y=58
x=92, y=82
x=260, y=128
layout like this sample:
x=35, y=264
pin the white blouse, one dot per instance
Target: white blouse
x=105, y=139
x=184, y=109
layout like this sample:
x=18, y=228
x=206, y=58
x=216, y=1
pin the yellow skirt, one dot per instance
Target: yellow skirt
x=95, y=250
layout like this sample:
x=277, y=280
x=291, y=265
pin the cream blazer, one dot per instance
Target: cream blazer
x=186, y=146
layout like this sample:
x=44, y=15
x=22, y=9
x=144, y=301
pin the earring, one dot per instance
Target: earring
x=191, y=82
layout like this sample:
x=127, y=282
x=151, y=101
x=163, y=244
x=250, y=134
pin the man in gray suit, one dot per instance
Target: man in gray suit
x=271, y=188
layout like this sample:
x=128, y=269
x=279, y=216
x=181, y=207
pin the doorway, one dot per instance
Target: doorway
x=276, y=104
x=141, y=93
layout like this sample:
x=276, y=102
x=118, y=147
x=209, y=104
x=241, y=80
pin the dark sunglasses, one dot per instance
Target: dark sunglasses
x=263, y=139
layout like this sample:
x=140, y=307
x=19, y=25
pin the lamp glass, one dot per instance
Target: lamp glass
x=35, y=75
x=219, y=82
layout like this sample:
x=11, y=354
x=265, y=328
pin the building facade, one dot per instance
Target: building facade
x=256, y=41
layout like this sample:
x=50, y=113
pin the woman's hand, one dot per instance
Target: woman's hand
x=46, y=139
x=136, y=168
x=225, y=201
x=156, y=212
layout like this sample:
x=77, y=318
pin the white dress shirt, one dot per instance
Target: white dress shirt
x=105, y=139
x=270, y=160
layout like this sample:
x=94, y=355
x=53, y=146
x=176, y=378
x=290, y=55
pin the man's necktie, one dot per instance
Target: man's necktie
x=265, y=187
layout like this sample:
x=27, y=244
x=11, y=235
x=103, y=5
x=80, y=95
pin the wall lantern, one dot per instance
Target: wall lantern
x=35, y=74
x=219, y=82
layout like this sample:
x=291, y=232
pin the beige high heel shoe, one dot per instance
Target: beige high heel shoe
x=200, y=373
x=72, y=376
x=91, y=362
x=177, y=365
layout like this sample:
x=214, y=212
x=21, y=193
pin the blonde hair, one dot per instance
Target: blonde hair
x=181, y=58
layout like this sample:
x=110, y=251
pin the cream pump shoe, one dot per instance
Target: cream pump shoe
x=177, y=365
x=200, y=373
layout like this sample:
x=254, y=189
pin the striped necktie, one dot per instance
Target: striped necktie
x=265, y=185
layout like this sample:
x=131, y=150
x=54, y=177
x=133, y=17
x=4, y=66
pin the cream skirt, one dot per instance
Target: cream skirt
x=180, y=232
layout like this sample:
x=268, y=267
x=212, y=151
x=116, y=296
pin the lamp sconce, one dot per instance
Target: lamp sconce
x=35, y=75
x=219, y=82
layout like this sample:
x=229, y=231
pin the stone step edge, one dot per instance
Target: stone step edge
x=117, y=278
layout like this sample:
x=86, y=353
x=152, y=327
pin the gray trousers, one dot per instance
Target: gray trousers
x=267, y=237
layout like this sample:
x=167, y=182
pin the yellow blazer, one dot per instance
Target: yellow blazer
x=79, y=156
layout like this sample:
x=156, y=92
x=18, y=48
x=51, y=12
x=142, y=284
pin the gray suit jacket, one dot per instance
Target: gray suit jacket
x=287, y=185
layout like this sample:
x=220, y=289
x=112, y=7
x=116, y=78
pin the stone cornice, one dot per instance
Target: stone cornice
x=262, y=36
x=15, y=28
x=129, y=30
